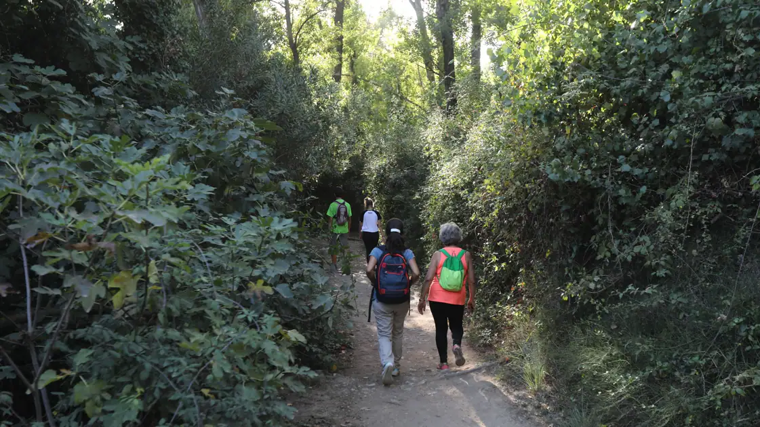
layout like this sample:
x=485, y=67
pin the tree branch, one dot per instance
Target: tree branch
x=43, y=391
x=400, y=95
x=29, y=323
x=16, y=369
x=304, y=22
x=451, y=374
x=49, y=349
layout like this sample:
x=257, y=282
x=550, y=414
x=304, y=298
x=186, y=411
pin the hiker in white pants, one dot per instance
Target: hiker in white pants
x=392, y=269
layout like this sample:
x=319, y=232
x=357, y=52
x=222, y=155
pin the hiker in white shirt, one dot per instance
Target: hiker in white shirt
x=370, y=226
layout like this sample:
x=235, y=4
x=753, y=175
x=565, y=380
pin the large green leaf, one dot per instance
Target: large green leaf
x=35, y=119
x=48, y=377
x=296, y=336
x=42, y=270
x=96, y=291
x=126, y=284
x=284, y=290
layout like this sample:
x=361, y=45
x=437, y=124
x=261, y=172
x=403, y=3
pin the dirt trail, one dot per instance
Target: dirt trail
x=420, y=396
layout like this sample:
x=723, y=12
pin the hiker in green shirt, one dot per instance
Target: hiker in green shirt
x=339, y=224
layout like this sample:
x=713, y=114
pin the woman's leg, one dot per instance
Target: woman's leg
x=456, y=316
x=370, y=242
x=384, y=322
x=441, y=329
x=374, y=239
x=397, y=337
x=366, y=246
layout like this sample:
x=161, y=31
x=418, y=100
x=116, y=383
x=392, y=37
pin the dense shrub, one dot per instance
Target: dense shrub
x=612, y=196
x=154, y=269
x=151, y=294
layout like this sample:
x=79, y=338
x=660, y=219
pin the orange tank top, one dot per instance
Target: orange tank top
x=437, y=293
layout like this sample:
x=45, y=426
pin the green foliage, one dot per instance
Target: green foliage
x=396, y=176
x=605, y=176
x=153, y=253
x=609, y=194
x=533, y=369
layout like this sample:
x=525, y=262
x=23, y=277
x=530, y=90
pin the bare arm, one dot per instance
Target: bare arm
x=428, y=280
x=349, y=223
x=371, y=269
x=329, y=224
x=470, y=280
x=415, y=270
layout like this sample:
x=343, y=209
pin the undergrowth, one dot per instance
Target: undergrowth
x=610, y=192
x=155, y=269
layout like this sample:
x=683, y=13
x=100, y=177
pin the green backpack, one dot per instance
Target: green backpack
x=452, y=272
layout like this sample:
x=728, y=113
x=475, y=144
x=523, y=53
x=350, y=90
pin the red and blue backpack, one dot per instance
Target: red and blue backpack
x=393, y=282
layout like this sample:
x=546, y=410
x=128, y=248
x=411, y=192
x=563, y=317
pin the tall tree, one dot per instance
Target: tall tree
x=292, y=40
x=475, y=39
x=294, y=25
x=427, y=54
x=154, y=23
x=443, y=14
x=340, y=5
x=201, y=11
x=352, y=67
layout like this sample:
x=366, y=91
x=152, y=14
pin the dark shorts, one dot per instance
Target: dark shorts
x=343, y=237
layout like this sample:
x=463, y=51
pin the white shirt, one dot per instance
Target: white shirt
x=369, y=223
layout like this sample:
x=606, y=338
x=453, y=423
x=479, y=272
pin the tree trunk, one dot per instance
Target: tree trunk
x=447, y=41
x=338, y=71
x=427, y=55
x=352, y=68
x=289, y=31
x=475, y=38
x=200, y=13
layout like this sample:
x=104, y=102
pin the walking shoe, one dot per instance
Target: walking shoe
x=395, y=372
x=458, y=355
x=443, y=366
x=388, y=374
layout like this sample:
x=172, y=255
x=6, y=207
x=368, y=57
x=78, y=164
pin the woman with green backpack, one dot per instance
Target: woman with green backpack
x=450, y=268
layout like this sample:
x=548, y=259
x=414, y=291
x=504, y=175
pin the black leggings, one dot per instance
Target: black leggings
x=370, y=241
x=447, y=316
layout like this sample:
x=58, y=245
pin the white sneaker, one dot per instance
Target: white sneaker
x=388, y=374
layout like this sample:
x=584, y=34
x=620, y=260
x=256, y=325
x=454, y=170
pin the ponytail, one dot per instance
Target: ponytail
x=368, y=204
x=394, y=240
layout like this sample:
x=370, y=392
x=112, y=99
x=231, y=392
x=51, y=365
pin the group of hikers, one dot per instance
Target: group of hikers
x=392, y=269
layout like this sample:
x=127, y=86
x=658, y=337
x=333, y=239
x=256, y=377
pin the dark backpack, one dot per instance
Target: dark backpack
x=341, y=217
x=392, y=278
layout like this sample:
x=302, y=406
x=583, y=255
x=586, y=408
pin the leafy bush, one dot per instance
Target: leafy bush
x=156, y=271
x=612, y=197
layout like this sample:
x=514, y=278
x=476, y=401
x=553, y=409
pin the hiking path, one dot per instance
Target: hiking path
x=421, y=395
